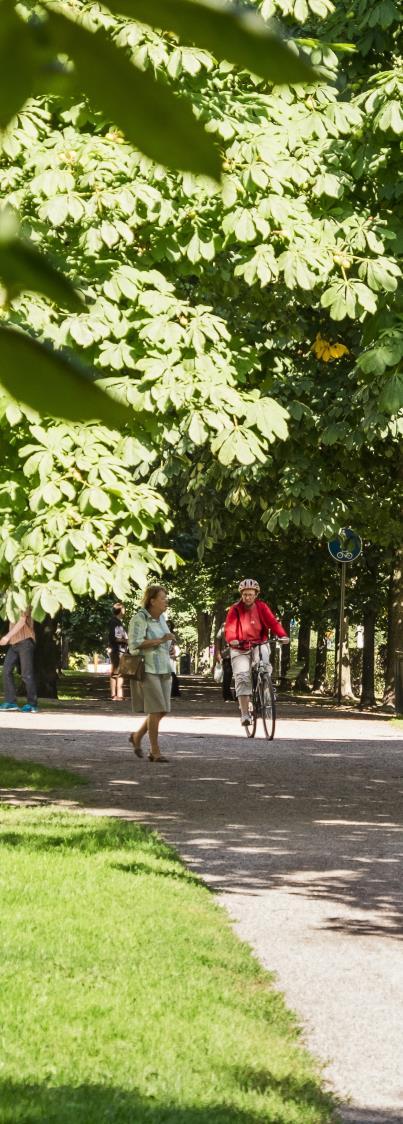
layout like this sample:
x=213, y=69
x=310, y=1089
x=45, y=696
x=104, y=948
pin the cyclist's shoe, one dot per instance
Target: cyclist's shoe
x=9, y=706
x=246, y=720
x=28, y=709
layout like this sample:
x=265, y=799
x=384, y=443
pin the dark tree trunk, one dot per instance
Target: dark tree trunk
x=204, y=625
x=320, y=660
x=285, y=653
x=64, y=652
x=395, y=626
x=368, y=657
x=336, y=656
x=304, y=639
x=220, y=613
x=46, y=658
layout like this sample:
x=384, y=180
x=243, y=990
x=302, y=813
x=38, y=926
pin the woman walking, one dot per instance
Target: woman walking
x=149, y=634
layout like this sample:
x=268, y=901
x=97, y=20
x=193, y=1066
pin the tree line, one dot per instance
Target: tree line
x=253, y=334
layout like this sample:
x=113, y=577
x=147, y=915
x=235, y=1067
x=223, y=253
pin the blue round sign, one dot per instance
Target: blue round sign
x=346, y=546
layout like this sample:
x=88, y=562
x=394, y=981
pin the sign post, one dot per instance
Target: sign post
x=344, y=548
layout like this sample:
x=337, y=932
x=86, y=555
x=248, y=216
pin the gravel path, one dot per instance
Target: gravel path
x=303, y=841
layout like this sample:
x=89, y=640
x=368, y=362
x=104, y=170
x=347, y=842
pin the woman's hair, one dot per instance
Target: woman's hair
x=150, y=593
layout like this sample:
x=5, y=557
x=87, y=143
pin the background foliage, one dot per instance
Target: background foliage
x=254, y=332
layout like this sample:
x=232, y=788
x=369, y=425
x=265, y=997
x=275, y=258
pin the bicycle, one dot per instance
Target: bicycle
x=263, y=698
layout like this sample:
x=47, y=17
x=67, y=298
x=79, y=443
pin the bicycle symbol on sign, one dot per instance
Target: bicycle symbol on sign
x=344, y=556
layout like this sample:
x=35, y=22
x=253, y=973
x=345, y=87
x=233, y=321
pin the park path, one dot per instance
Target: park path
x=302, y=840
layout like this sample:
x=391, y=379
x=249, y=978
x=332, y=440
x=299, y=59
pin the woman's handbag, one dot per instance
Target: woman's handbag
x=132, y=666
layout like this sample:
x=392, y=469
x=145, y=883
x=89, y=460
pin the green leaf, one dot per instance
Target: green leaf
x=47, y=382
x=51, y=494
x=365, y=297
x=245, y=229
x=151, y=117
x=236, y=36
x=55, y=209
x=49, y=602
x=236, y=446
x=197, y=430
x=380, y=274
x=385, y=354
x=23, y=267
x=13, y=413
x=328, y=184
x=284, y=519
x=390, y=117
x=269, y=417
x=16, y=62
x=391, y=399
x=296, y=270
x=76, y=577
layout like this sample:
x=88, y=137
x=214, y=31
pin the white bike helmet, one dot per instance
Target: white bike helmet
x=249, y=583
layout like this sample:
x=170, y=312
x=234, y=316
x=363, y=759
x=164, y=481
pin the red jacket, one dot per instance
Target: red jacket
x=235, y=623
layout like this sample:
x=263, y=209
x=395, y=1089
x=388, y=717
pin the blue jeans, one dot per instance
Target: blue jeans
x=21, y=654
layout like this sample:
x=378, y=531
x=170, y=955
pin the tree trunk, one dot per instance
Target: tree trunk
x=64, y=652
x=285, y=653
x=346, y=688
x=336, y=656
x=220, y=613
x=395, y=626
x=46, y=658
x=304, y=639
x=204, y=624
x=320, y=660
x=368, y=657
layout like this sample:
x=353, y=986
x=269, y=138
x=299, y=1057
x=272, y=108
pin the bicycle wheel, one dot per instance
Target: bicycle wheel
x=267, y=706
x=250, y=731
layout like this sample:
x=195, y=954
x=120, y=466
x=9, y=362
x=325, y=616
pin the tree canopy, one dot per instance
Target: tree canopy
x=253, y=333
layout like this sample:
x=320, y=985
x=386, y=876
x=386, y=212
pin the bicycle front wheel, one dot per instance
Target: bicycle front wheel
x=267, y=707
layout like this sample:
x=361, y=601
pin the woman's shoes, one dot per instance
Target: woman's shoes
x=136, y=745
x=139, y=752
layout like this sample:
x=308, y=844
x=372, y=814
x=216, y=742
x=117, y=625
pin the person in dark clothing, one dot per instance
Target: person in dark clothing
x=173, y=656
x=117, y=646
x=20, y=639
x=223, y=655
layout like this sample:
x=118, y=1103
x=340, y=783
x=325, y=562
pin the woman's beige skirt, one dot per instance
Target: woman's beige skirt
x=152, y=695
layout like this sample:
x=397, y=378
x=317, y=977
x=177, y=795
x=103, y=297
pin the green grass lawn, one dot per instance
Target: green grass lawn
x=40, y=778
x=125, y=997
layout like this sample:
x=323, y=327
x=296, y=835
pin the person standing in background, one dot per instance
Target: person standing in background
x=173, y=659
x=117, y=646
x=21, y=640
x=223, y=655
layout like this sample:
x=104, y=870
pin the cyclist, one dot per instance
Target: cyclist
x=247, y=627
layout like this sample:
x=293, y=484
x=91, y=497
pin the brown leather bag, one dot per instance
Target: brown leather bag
x=132, y=666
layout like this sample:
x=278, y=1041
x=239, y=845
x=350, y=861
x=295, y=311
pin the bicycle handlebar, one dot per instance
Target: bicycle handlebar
x=258, y=643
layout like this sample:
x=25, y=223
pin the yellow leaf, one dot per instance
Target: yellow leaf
x=339, y=349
